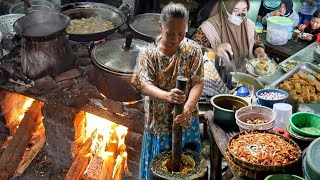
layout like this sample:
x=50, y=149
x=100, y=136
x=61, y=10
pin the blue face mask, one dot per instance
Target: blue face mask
x=271, y=4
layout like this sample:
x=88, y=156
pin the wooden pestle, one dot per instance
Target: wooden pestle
x=177, y=129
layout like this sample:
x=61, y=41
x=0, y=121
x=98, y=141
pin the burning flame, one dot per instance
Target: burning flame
x=110, y=141
x=13, y=109
x=26, y=106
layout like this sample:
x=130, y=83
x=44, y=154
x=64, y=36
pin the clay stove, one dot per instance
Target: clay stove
x=65, y=106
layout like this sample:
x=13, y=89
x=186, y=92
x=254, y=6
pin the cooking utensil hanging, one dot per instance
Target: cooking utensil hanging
x=99, y=10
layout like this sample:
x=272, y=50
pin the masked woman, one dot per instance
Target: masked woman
x=229, y=30
x=285, y=10
x=156, y=74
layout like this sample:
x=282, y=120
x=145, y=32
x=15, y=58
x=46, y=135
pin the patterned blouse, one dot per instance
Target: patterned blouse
x=162, y=71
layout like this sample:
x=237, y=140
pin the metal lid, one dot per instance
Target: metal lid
x=118, y=55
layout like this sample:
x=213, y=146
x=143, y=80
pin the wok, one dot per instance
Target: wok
x=90, y=9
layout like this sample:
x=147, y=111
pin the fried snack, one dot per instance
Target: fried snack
x=287, y=82
x=263, y=148
x=296, y=97
x=285, y=87
x=313, y=97
x=317, y=85
x=302, y=76
x=293, y=92
x=312, y=90
x=305, y=93
x=300, y=100
x=295, y=76
x=297, y=87
x=302, y=87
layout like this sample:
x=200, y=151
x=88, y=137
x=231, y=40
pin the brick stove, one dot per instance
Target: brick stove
x=67, y=98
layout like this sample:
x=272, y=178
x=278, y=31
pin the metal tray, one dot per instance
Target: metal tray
x=304, y=67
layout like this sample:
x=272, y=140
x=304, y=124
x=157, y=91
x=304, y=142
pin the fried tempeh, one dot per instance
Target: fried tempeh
x=313, y=97
x=305, y=94
x=297, y=87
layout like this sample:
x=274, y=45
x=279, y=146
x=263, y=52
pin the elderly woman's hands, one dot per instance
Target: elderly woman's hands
x=184, y=118
x=176, y=96
x=223, y=50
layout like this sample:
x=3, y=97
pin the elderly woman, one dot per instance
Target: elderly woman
x=156, y=74
x=230, y=31
x=285, y=10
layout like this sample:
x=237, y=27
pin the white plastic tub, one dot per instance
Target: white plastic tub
x=279, y=30
x=261, y=112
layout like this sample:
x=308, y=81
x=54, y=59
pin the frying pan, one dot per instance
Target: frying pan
x=90, y=9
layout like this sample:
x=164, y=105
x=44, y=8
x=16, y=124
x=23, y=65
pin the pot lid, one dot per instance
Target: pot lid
x=118, y=55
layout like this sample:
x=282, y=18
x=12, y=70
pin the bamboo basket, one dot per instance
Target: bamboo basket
x=268, y=168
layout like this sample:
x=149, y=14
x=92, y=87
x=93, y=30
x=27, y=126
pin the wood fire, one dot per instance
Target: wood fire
x=103, y=155
x=23, y=118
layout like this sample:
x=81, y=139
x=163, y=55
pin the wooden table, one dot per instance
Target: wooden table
x=282, y=52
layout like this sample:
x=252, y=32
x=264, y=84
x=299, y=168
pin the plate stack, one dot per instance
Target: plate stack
x=316, y=54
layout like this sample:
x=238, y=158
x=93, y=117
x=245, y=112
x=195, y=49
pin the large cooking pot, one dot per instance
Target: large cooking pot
x=90, y=9
x=115, y=60
x=41, y=25
x=45, y=47
x=146, y=26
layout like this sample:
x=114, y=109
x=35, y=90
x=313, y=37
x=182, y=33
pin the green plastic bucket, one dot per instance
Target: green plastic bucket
x=306, y=124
